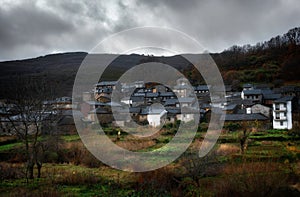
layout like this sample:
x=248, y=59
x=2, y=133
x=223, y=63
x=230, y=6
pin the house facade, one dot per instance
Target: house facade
x=282, y=113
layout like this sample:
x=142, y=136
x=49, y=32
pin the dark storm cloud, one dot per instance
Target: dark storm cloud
x=25, y=27
x=219, y=24
x=32, y=28
x=28, y=24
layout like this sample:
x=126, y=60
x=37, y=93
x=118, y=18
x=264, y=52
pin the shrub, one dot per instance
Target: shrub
x=75, y=178
x=232, y=126
x=160, y=182
x=78, y=154
x=10, y=171
x=252, y=179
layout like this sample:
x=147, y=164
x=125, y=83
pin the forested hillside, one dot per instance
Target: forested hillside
x=270, y=61
x=276, y=61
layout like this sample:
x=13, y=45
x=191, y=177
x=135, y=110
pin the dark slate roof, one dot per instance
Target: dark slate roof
x=137, y=99
x=244, y=117
x=186, y=99
x=230, y=107
x=106, y=83
x=173, y=110
x=271, y=96
x=252, y=92
x=247, y=85
x=134, y=109
x=172, y=101
x=201, y=88
x=166, y=94
x=151, y=95
x=290, y=88
x=141, y=94
x=284, y=99
x=266, y=91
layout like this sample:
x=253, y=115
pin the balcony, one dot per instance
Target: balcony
x=280, y=118
x=277, y=109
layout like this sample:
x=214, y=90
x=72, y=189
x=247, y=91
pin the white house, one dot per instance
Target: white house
x=282, y=113
x=155, y=115
x=252, y=94
x=187, y=114
x=126, y=100
x=183, y=89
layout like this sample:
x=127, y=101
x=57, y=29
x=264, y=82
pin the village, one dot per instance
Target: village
x=156, y=105
x=276, y=108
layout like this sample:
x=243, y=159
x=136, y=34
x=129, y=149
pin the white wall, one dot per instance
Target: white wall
x=185, y=117
x=155, y=119
x=287, y=122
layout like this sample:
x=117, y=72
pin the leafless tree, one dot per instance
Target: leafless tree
x=247, y=128
x=29, y=118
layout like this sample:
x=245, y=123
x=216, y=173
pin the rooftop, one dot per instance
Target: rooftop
x=106, y=83
x=252, y=92
x=284, y=99
x=272, y=96
x=244, y=117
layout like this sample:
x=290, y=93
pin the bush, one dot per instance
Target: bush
x=160, y=182
x=203, y=127
x=232, y=126
x=78, y=154
x=252, y=179
x=76, y=178
x=10, y=171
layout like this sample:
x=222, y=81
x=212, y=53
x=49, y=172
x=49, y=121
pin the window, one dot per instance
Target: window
x=284, y=105
x=281, y=123
x=277, y=115
x=284, y=114
x=277, y=107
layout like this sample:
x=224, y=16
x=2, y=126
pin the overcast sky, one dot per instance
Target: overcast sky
x=33, y=28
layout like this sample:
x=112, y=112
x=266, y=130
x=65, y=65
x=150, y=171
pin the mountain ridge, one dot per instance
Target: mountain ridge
x=265, y=62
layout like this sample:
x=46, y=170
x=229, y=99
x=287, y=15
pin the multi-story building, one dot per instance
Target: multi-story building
x=282, y=113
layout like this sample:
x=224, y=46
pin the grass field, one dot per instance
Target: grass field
x=270, y=165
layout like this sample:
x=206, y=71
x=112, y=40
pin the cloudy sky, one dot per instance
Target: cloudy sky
x=31, y=28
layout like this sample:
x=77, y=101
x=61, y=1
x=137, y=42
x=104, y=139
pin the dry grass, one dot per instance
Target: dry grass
x=227, y=149
x=159, y=182
x=11, y=171
x=135, y=145
x=252, y=179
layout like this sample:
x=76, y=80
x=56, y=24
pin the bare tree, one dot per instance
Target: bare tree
x=29, y=118
x=247, y=128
